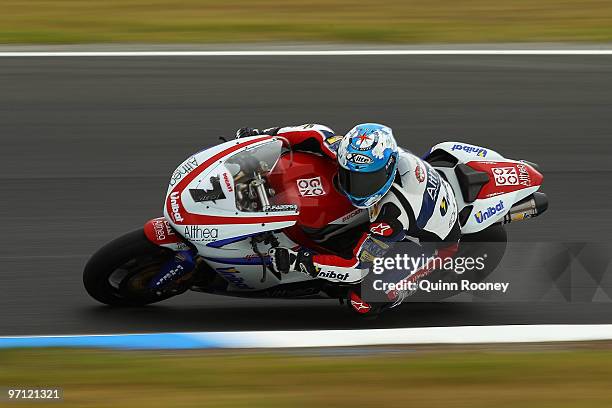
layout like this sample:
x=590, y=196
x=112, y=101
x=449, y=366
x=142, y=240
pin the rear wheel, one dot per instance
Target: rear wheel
x=489, y=244
x=120, y=272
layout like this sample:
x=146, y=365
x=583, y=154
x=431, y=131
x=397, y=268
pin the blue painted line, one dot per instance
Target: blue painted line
x=324, y=338
x=123, y=341
x=223, y=242
x=240, y=261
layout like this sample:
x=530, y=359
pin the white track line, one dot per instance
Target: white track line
x=287, y=53
x=417, y=335
x=325, y=338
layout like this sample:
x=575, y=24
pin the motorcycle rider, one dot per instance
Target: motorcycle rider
x=406, y=198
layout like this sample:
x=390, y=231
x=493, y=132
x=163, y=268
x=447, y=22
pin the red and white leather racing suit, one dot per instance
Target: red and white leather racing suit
x=419, y=207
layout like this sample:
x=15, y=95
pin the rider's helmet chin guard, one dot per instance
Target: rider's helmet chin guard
x=367, y=158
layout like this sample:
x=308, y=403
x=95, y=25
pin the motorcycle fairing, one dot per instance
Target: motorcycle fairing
x=160, y=232
x=509, y=181
x=302, y=179
x=307, y=180
x=505, y=176
x=177, y=267
x=201, y=204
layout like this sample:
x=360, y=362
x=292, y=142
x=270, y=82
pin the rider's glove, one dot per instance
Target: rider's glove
x=285, y=260
x=247, y=131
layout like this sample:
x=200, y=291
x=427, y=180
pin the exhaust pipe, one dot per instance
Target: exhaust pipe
x=529, y=207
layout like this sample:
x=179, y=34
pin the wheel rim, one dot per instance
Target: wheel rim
x=131, y=279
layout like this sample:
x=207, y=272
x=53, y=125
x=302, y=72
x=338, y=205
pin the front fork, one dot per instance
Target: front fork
x=178, y=273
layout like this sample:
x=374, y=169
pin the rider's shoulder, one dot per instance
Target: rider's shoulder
x=411, y=173
x=406, y=161
x=410, y=183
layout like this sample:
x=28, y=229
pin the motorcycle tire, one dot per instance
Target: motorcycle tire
x=491, y=241
x=118, y=273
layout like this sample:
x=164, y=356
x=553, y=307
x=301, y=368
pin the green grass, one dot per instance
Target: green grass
x=385, y=21
x=466, y=378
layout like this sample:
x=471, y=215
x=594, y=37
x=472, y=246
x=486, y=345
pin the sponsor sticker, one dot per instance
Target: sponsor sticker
x=381, y=228
x=367, y=257
x=453, y=218
x=443, y=206
x=201, y=195
x=162, y=229
x=478, y=151
x=505, y=176
x=359, y=305
x=170, y=275
x=364, y=142
x=419, y=173
x=358, y=158
x=351, y=215
x=523, y=175
x=280, y=207
x=311, y=187
x=184, y=169
x=297, y=292
x=333, y=139
x=232, y=275
x=329, y=275
x=200, y=234
x=175, y=198
x=228, y=183
x=429, y=202
x=433, y=183
x=180, y=246
x=482, y=216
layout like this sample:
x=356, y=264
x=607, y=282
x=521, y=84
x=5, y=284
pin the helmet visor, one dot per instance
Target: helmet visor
x=362, y=184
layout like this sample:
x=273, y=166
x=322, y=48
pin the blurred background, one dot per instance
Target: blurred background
x=384, y=21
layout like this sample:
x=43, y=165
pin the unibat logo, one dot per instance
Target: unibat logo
x=482, y=216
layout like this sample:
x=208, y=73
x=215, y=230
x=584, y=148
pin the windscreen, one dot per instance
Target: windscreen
x=249, y=169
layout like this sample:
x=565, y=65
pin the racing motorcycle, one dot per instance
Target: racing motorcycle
x=228, y=205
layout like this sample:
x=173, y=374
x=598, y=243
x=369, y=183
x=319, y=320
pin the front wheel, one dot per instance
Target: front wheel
x=120, y=272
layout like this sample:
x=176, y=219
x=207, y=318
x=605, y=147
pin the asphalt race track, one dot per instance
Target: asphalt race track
x=88, y=144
